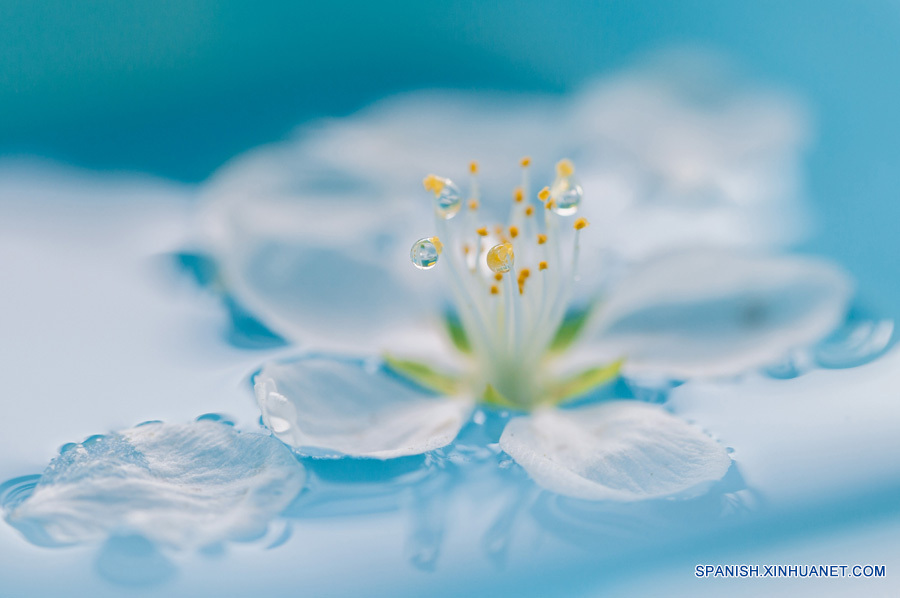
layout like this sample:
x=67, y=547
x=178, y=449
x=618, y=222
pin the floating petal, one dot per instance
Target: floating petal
x=619, y=451
x=345, y=406
x=182, y=486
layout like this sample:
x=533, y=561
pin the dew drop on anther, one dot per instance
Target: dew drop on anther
x=448, y=199
x=567, y=197
x=501, y=258
x=424, y=254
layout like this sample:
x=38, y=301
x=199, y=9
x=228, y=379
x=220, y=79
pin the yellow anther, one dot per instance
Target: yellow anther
x=565, y=168
x=513, y=231
x=473, y=204
x=525, y=162
x=498, y=276
x=550, y=204
x=433, y=183
x=524, y=273
x=544, y=194
x=466, y=249
x=438, y=246
x=542, y=265
x=581, y=223
x=473, y=167
x=518, y=194
x=500, y=258
x=529, y=211
x=495, y=290
x=521, y=287
x=542, y=238
x=482, y=232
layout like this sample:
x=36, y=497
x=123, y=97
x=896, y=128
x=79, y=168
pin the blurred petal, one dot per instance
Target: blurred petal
x=622, y=451
x=663, y=161
x=182, y=486
x=708, y=313
x=350, y=407
x=680, y=152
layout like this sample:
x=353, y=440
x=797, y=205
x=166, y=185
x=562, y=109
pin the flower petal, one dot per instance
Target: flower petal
x=621, y=451
x=708, y=313
x=322, y=404
x=182, y=486
x=680, y=152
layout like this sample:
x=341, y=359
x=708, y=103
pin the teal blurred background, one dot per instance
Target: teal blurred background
x=176, y=88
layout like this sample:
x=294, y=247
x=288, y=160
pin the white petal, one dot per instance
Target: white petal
x=317, y=266
x=344, y=406
x=713, y=313
x=180, y=485
x=622, y=451
x=679, y=153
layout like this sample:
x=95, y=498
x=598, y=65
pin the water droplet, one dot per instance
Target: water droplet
x=448, y=201
x=91, y=440
x=67, y=447
x=216, y=417
x=424, y=254
x=858, y=342
x=501, y=258
x=149, y=422
x=566, y=197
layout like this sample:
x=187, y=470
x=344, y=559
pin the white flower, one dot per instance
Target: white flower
x=539, y=318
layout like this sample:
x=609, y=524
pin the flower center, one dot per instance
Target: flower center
x=511, y=283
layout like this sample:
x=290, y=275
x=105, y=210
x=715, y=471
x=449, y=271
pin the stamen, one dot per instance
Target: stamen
x=495, y=290
x=529, y=210
x=565, y=168
x=473, y=204
x=473, y=167
x=498, y=276
x=541, y=239
x=513, y=231
x=544, y=194
x=518, y=194
x=525, y=162
x=542, y=265
x=550, y=204
x=581, y=223
x=482, y=232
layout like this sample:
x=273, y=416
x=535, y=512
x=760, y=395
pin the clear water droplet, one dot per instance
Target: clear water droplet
x=91, y=440
x=424, y=254
x=856, y=343
x=67, y=447
x=567, y=197
x=448, y=201
x=216, y=417
x=501, y=258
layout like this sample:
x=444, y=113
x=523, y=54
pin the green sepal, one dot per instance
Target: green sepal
x=457, y=333
x=585, y=381
x=569, y=329
x=424, y=375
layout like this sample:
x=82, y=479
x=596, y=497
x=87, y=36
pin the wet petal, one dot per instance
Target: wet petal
x=182, y=486
x=708, y=313
x=349, y=407
x=622, y=451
